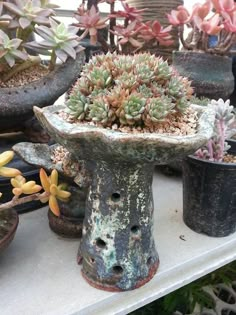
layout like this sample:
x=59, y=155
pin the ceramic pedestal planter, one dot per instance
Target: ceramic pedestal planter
x=69, y=224
x=8, y=225
x=16, y=104
x=117, y=247
x=209, y=196
x=211, y=75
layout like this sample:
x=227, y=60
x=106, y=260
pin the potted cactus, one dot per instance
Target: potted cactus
x=204, y=61
x=24, y=81
x=124, y=115
x=209, y=179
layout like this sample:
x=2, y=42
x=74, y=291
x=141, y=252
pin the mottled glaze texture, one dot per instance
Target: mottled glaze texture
x=16, y=104
x=211, y=75
x=117, y=247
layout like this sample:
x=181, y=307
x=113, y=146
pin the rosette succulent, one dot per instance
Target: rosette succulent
x=139, y=90
x=19, y=20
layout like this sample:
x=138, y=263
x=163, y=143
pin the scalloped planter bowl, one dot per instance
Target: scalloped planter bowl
x=16, y=104
x=118, y=248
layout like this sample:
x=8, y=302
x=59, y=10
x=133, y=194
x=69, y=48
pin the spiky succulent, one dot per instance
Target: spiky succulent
x=138, y=90
x=224, y=128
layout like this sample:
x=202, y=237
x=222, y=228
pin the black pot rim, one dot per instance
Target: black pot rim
x=210, y=163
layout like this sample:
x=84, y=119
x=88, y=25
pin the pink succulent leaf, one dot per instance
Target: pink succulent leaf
x=131, y=12
x=230, y=22
x=91, y=19
x=201, y=10
x=212, y=26
x=179, y=17
x=223, y=5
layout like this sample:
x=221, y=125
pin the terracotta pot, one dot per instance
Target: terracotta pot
x=16, y=104
x=211, y=75
x=8, y=224
x=118, y=247
x=209, y=196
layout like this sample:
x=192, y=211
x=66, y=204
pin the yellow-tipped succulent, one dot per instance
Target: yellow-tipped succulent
x=22, y=187
x=55, y=191
x=5, y=158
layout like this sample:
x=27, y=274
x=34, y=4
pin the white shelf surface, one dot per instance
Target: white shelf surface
x=39, y=274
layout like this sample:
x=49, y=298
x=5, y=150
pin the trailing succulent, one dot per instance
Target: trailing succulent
x=135, y=90
x=224, y=128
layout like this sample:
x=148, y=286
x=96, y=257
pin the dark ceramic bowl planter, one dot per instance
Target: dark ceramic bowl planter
x=16, y=104
x=209, y=196
x=118, y=247
x=211, y=75
x=8, y=224
x=70, y=222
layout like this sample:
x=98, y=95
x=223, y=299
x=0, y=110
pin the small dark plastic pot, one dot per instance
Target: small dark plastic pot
x=209, y=196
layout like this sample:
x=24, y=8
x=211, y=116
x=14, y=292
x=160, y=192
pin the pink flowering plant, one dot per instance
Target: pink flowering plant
x=126, y=27
x=211, y=18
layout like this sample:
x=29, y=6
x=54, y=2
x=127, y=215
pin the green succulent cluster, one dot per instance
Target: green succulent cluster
x=135, y=90
x=19, y=20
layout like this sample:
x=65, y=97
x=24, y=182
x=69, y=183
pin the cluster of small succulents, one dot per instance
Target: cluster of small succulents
x=21, y=19
x=224, y=128
x=135, y=90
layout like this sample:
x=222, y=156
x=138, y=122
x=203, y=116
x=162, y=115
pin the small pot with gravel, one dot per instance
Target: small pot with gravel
x=209, y=179
x=124, y=115
x=24, y=80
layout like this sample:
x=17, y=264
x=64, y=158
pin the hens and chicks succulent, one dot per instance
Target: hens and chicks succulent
x=135, y=90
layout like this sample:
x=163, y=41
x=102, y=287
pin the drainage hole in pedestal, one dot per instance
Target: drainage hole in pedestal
x=149, y=261
x=100, y=243
x=135, y=229
x=92, y=260
x=115, y=197
x=117, y=270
